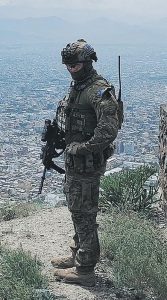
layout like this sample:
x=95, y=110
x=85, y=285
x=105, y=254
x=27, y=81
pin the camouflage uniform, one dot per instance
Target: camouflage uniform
x=91, y=125
x=91, y=119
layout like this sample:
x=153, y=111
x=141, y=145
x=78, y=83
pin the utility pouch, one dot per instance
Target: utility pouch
x=78, y=163
x=98, y=160
x=69, y=161
x=89, y=165
x=109, y=151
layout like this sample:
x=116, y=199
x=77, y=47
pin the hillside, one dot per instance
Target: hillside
x=48, y=234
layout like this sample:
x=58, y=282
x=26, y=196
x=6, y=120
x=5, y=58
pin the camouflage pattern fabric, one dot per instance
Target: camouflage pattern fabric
x=82, y=197
x=79, y=51
x=91, y=125
x=93, y=110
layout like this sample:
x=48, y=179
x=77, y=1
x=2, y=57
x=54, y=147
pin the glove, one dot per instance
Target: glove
x=76, y=148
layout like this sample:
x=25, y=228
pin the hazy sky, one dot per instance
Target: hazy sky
x=139, y=10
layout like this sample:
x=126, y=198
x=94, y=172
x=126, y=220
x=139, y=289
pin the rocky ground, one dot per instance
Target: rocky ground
x=46, y=234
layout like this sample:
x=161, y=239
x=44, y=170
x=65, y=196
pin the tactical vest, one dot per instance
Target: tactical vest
x=81, y=120
x=77, y=118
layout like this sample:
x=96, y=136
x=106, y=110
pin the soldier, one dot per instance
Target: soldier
x=91, y=125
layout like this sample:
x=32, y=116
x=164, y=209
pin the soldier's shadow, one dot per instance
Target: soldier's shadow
x=104, y=289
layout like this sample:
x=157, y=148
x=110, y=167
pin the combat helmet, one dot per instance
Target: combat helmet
x=79, y=51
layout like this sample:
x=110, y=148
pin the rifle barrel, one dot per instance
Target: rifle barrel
x=42, y=181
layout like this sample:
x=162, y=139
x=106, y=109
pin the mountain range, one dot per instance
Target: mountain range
x=99, y=30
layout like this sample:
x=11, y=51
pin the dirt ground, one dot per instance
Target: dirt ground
x=47, y=234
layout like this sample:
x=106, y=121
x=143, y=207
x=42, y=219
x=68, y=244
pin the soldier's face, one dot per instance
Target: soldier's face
x=73, y=68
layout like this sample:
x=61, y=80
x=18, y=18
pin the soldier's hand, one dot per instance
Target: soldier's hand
x=72, y=148
x=76, y=148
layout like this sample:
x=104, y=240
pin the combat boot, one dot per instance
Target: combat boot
x=63, y=262
x=72, y=276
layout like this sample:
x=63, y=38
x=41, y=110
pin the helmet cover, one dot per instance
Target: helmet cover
x=77, y=52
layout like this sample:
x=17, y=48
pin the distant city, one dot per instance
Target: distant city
x=33, y=80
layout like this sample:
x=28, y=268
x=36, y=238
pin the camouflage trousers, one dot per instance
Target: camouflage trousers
x=82, y=196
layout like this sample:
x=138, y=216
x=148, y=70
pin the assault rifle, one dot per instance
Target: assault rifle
x=54, y=139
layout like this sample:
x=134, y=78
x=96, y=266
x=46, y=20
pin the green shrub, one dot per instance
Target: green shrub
x=20, y=274
x=9, y=210
x=140, y=254
x=126, y=190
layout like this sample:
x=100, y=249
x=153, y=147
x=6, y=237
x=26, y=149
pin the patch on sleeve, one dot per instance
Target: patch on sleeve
x=101, y=92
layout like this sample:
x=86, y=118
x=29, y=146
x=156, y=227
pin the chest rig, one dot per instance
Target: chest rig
x=80, y=116
x=75, y=113
x=79, y=123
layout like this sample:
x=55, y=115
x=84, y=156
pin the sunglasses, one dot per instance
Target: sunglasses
x=74, y=65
